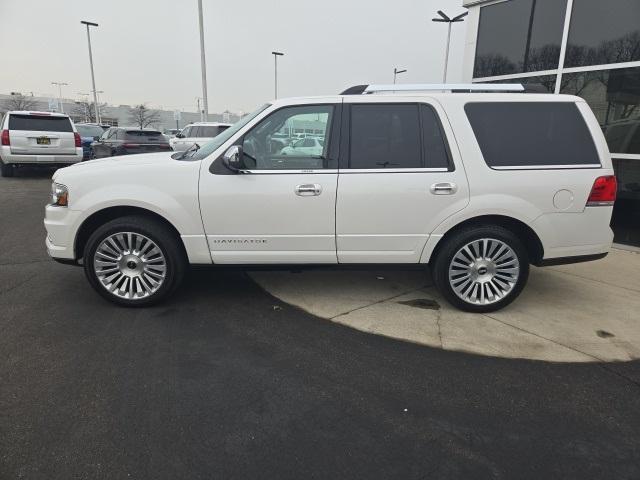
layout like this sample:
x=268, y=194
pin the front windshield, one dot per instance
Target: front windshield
x=212, y=145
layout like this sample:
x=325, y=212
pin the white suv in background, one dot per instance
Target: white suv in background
x=200, y=133
x=476, y=185
x=37, y=138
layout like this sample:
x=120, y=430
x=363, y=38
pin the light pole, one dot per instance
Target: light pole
x=93, y=77
x=444, y=18
x=98, y=93
x=86, y=105
x=199, y=110
x=396, y=72
x=203, y=64
x=275, y=60
x=60, y=85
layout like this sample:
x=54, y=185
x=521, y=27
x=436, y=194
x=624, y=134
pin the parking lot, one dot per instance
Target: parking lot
x=361, y=374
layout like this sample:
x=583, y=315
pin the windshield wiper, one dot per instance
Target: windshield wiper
x=195, y=147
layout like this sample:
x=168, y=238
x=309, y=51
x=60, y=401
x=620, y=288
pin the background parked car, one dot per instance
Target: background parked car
x=89, y=133
x=38, y=138
x=200, y=133
x=305, y=146
x=128, y=141
x=172, y=132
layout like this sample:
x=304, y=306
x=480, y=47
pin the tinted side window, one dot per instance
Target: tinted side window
x=521, y=134
x=40, y=123
x=210, y=131
x=385, y=136
x=187, y=131
x=436, y=152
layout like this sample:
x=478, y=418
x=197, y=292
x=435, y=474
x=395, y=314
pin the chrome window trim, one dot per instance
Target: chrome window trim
x=344, y=171
x=549, y=167
x=393, y=170
x=291, y=172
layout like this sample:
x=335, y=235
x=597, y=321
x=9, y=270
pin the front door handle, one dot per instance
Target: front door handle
x=444, y=188
x=308, y=190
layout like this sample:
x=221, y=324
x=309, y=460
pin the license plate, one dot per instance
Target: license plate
x=43, y=141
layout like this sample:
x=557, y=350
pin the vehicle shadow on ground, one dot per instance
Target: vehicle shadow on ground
x=224, y=380
x=34, y=172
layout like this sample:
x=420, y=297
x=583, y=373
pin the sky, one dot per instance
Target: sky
x=148, y=51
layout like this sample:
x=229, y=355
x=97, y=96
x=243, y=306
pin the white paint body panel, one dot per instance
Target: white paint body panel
x=258, y=218
x=360, y=217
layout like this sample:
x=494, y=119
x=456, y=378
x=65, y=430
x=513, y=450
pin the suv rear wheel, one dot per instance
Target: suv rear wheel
x=481, y=269
x=134, y=261
x=6, y=169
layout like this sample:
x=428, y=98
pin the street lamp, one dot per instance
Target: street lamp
x=444, y=18
x=60, y=85
x=93, y=78
x=203, y=64
x=275, y=59
x=396, y=72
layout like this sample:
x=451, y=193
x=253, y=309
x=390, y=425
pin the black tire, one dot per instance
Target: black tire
x=454, y=245
x=167, y=242
x=6, y=169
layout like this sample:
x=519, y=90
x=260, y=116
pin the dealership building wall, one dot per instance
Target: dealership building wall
x=589, y=48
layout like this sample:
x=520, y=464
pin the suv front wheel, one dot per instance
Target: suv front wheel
x=481, y=269
x=134, y=261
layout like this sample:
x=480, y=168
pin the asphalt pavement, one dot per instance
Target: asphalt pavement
x=225, y=381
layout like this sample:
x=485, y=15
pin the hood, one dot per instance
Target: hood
x=127, y=160
x=101, y=165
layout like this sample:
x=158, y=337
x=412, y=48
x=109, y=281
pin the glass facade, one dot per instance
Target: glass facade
x=548, y=82
x=598, y=59
x=626, y=213
x=602, y=32
x=614, y=97
x=519, y=36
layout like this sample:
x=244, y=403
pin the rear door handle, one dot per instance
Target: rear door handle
x=444, y=188
x=308, y=190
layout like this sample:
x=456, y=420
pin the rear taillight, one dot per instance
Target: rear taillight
x=603, y=192
x=76, y=135
x=5, y=137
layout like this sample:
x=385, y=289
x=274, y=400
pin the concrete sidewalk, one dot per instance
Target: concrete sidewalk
x=575, y=313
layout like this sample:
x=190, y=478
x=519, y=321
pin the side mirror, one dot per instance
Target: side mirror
x=179, y=135
x=232, y=158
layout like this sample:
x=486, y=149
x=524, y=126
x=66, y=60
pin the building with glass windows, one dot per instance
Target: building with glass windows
x=589, y=48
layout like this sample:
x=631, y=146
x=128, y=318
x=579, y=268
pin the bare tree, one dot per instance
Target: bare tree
x=86, y=110
x=18, y=102
x=143, y=116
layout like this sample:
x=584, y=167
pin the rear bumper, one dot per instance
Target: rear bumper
x=580, y=234
x=12, y=158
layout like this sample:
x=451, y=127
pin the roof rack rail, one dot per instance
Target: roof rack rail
x=447, y=87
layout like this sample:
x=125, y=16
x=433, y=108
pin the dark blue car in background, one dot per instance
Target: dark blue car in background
x=88, y=134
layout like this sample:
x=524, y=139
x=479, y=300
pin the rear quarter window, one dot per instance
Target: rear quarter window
x=40, y=123
x=528, y=134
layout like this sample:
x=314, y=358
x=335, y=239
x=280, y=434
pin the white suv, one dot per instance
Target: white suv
x=199, y=132
x=477, y=185
x=37, y=138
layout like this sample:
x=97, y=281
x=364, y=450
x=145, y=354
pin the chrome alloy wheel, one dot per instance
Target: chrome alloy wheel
x=130, y=265
x=484, y=271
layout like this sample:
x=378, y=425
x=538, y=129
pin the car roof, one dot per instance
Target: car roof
x=211, y=124
x=440, y=96
x=35, y=112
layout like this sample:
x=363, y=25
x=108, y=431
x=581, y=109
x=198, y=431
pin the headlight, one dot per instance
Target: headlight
x=59, y=195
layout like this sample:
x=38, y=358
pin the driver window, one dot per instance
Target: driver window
x=272, y=144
